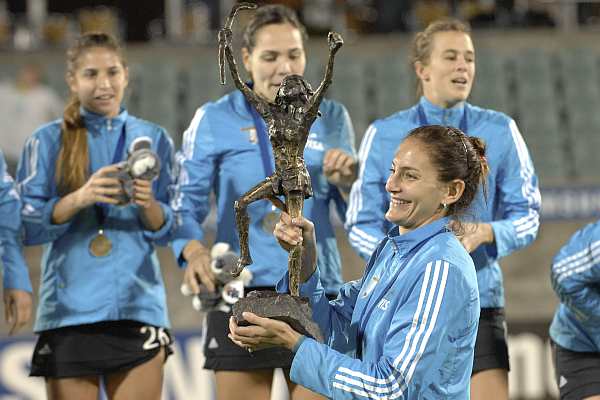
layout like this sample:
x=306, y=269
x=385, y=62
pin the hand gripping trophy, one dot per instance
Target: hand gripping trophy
x=288, y=120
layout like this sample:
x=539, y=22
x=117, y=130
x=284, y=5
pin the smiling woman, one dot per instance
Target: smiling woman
x=99, y=81
x=407, y=328
x=102, y=310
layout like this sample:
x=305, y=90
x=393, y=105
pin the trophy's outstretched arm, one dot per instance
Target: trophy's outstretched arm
x=223, y=40
x=226, y=52
x=335, y=41
x=259, y=104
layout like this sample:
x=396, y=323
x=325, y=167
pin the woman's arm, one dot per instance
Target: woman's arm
x=439, y=305
x=101, y=187
x=518, y=197
x=576, y=272
x=292, y=232
x=151, y=213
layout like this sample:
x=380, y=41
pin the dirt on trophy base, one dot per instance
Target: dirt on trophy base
x=288, y=119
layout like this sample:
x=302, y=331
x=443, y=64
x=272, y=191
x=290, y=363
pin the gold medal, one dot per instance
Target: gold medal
x=100, y=246
x=269, y=221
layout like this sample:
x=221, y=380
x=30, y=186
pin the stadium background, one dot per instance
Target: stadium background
x=538, y=61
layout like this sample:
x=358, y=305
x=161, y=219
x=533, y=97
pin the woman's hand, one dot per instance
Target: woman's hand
x=17, y=308
x=151, y=212
x=143, y=194
x=262, y=334
x=102, y=187
x=340, y=169
x=473, y=235
x=299, y=231
x=198, y=270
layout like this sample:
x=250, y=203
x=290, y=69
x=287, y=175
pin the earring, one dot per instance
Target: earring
x=444, y=206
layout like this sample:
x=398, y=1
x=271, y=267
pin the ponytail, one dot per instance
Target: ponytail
x=482, y=168
x=72, y=164
x=73, y=159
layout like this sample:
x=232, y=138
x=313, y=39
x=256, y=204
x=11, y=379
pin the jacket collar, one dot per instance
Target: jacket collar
x=239, y=103
x=99, y=123
x=404, y=243
x=443, y=116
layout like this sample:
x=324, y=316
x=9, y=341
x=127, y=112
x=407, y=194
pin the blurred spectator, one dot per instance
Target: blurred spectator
x=56, y=29
x=427, y=11
x=479, y=13
x=539, y=14
x=394, y=15
x=4, y=25
x=99, y=19
x=26, y=104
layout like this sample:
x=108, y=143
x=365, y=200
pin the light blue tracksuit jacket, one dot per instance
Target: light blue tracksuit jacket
x=576, y=280
x=513, y=201
x=76, y=287
x=221, y=155
x=15, y=273
x=406, y=330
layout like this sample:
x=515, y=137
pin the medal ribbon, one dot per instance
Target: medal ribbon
x=263, y=139
x=266, y=154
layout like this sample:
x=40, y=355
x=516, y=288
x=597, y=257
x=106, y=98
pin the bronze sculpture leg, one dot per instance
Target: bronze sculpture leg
x=295, y=204
x=263, y=190
x=277, y=203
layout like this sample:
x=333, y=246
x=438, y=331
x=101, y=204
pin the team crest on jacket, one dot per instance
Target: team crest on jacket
x=252, y=136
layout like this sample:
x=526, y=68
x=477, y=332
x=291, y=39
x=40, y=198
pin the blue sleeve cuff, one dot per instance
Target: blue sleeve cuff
x=162, y=235
x=184, y=230
x=54, y=230
x=283, y=286
x=503, y=236
x=298, y=344
x=306, y=289
x=303, y=356
x=16, y=273
x=177, y=246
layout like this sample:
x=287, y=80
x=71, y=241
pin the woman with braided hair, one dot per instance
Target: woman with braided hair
x=102, y=312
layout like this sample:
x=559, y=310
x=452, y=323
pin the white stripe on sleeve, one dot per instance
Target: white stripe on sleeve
x=423, y=322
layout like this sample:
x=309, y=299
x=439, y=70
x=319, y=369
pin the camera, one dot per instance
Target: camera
x=228, y=289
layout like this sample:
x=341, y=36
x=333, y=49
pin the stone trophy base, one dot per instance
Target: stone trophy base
x=293, y=310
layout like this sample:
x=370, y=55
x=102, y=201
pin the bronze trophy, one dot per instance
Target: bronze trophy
x=288, y=120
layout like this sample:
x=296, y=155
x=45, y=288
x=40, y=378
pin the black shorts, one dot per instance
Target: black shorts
x=97, y=349
x=223, y=355
x=577, y=373
x=491, y=350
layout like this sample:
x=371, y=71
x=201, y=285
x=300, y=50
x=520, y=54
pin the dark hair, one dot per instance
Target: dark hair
x=455, y=156
x=268, y=15
x=423, y=41
x=72, y=162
